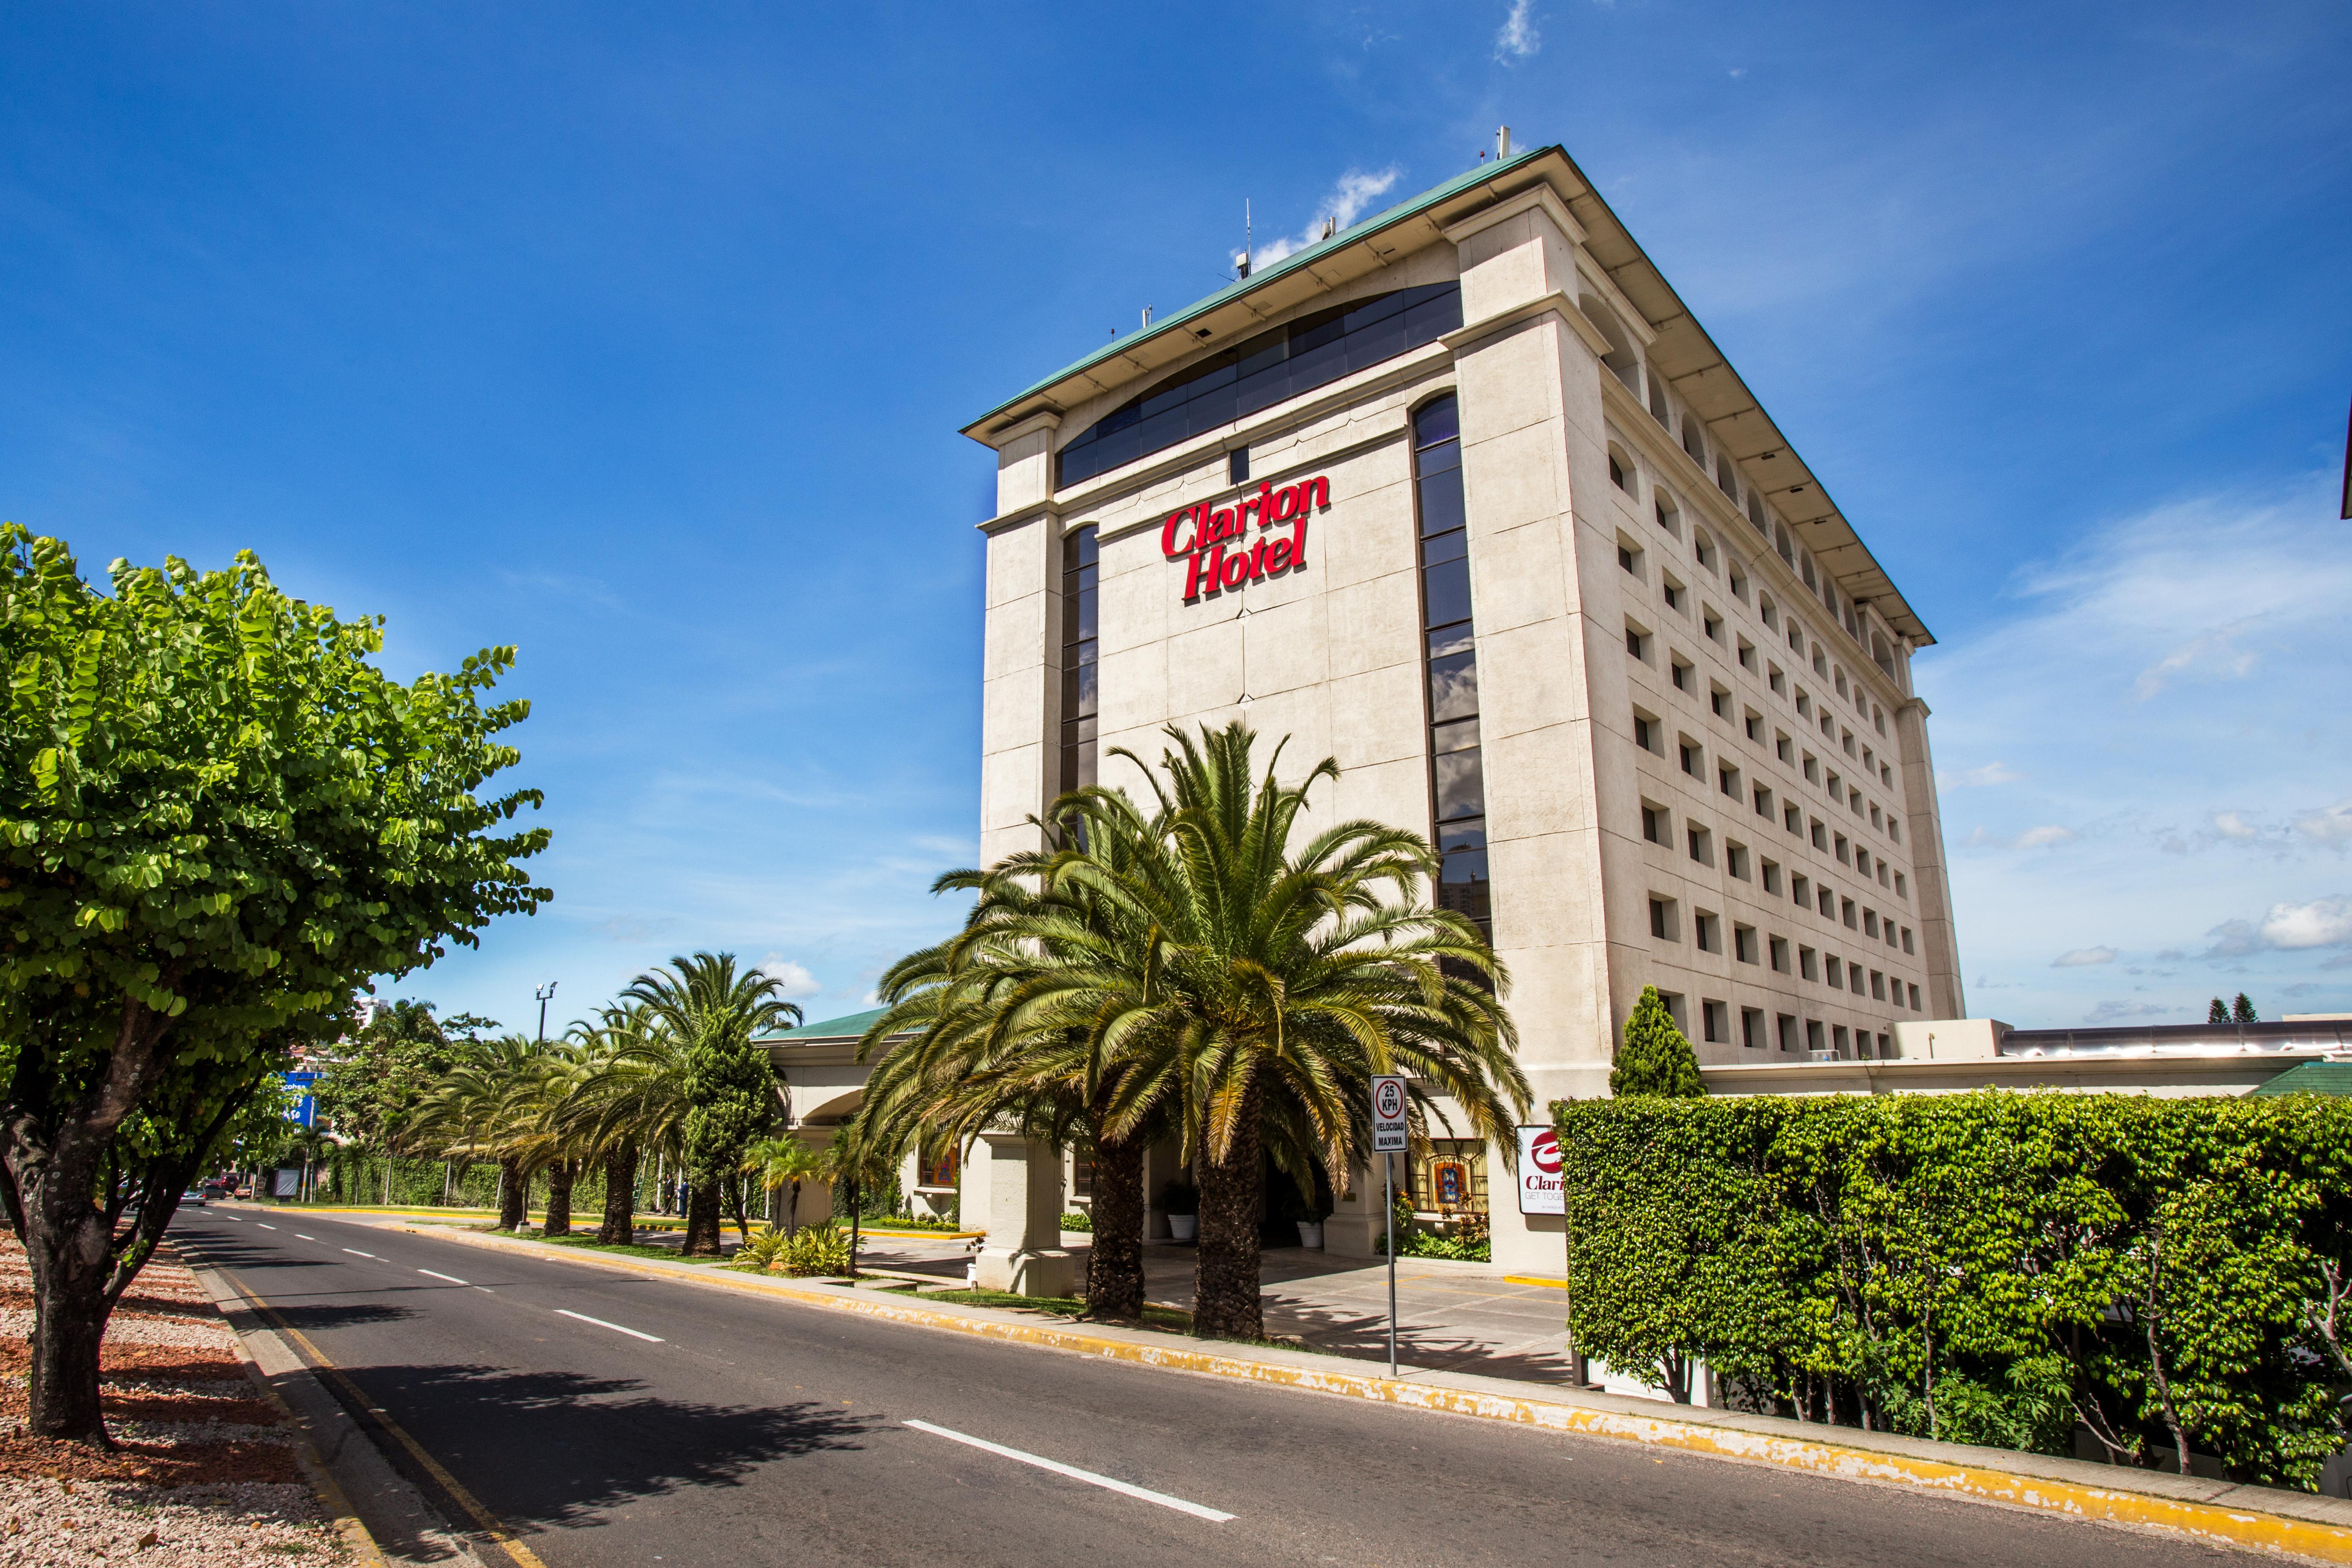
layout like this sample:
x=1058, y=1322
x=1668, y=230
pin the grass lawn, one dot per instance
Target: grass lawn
x=627, y=1248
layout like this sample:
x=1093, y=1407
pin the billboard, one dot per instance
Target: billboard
x=304, y=1112
x=1539, y=1163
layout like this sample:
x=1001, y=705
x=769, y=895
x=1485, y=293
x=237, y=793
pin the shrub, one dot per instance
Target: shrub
x=1077, y=1219
x=815, y=1250
x=766, y=1244
x=1993, y=1267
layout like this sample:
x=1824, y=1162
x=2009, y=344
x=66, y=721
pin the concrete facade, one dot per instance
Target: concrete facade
x=1705, y=767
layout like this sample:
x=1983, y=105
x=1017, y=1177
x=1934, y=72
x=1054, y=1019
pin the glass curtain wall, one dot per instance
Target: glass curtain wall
x=1079, y=598
x=1457, y=780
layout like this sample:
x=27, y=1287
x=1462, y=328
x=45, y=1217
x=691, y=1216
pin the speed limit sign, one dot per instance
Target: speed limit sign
x=1388, y=1115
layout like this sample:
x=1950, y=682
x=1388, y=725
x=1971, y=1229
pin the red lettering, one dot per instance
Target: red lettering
x=1257, y=559
x=1235, y=570
x=1298, y=538
x=1277, y=557
x=1221, y=526
x=1241, y=514
x=1195, y=579
x=1286, y=505
x=1320, y=486
x=1265, y=504
x=1168, y=545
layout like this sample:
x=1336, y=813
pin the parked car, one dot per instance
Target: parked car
x=193, y=1197
x=245, y=1191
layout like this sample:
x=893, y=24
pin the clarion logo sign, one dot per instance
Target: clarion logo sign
x=1217, y=550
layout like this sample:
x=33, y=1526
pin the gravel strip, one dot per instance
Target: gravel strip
x=231, y=1525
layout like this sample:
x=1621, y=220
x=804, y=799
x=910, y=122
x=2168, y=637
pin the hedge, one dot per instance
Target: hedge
x=2000, y=1269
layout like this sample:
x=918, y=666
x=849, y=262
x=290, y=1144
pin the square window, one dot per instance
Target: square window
x=1841, y=851
x=1877, y=985
x=1778, y=682
x=1853, y=978
x=1718, y=702
x=1915, y=999
x=1702, y=846
x=1727, y=780
x=1870, y=923
x=1788, y=1022
x=1754, y=724
x=1764, y=803
x=1662, y=919
x=1682, y=676
x=1838, y=1037
x=1771, y=876
x=1743, y=943
x=1690, y=759
x=1793, y=820
x=1653, y=823
x=1906, y=938
x=1672, y=593
x=1706, y=930
x=1746, y=654
x=1821, y=835
x=1780, y=747
x=1716, y=1019
x=1734, y=860
x=1800, y=890
x=1625, y=558
x=1813, y=1034
x=1900, y=890
x=1637, y=645
x=1826, y=905
x=1237, y=466
x=1881, y=871
x=1832, y=973
x=1778, y=949
x=1807, y=963
x=1751, y=1028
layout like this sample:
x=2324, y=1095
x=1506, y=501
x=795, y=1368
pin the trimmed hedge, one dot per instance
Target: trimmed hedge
x=1993, y=1267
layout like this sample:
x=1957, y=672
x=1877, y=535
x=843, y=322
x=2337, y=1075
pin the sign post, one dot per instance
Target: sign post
x=1388, y=1141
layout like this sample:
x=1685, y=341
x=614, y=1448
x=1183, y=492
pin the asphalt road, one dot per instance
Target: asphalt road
x=616, y=1421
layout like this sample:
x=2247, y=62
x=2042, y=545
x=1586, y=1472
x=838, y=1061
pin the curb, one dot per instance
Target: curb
x=348, y=1525
x=2311, y=1527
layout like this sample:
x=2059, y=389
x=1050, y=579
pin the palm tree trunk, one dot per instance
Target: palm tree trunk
x=513, y=1189
x=702, y=1214
x=558, y=1198
x=620, y=1196
x=1226, y=1275
x=1115, y=1265
x=736, y=1188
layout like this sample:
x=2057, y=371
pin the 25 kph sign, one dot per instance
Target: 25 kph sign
x=1388, y=1115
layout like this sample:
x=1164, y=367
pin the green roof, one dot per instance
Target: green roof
x=2312, y=1077
x=1288, y=264
x=849, y=1026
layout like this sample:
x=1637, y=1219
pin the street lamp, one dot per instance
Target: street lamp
x=545, y=994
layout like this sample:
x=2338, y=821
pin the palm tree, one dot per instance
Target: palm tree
x=784, y=1162
x=1189, y=964
x=714, y=1015
x=631, y=1102
x=486, y=1107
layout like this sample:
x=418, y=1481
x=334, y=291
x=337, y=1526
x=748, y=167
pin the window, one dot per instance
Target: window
x=1727, y=780
x=1237, y=466
x=1768, y=610
x=1716, y=1019
x=1895, y=827
x=1877, y=985
x=1702, y=845
x=1885, y=775
x=1754, y=724
x=1804, y=704
x=1900, y=890
x=1738, y=581
x=1906, y=940
x=1692, y=442
x=1751, y=1028
x=1682, y=674
x=1813, y=769
x=1653, y=823
x=1743, y=943
x=1813, y=1041
x=1081, y=596
x=1724, y=481
x=1837, y=674
x=1888, y=927
x=1662, y=919
x=1672, y=592
x=1878, y=719
x=1841, y=852
x=1658, y=401
x=1877, y=817
x=1763, y=798
x=1617, y=475
x=1777, y=680
x=1835, y=792
x=1793, y=820
x=1625, y=559
x=1870, y=923
x=1702, y=549
x=1662, y=509
x=1673, y=1001
x=1833, y=973
x=1711, y=625
x=1788, y=1022
x=1824, y=899
x=1915, y=999
x=1707, y=931
x=1747, y=655
x=1853, y=977
x=1779, y=948
x=1734, y=860
x=1782, y=747
x=1821, y=835
x=1846, y=740
x=1769, y=873
x=1718, y=702
x=1881, y=871
x=1262, y=371
x=1862, y=860
x=1807, y=963
x=1690, y=759
x=1837, y=1033
x=1457, y=780
x=1645, y=731
x=1637, y=643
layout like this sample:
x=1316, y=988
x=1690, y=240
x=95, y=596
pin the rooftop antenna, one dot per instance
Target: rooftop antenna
x=1147, y=315
x=1502, y=142
x=1249, y=242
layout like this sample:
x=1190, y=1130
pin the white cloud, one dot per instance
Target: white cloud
x=2233, y=824
x=2331, y=826
x=1518, y=36
x=2040, y=837
x=2287, y=928
x=1343, y=205
x=2216, y=650
x=2122, y=1012
x=1978, y=778
x=793, y=979
x=2083, y=957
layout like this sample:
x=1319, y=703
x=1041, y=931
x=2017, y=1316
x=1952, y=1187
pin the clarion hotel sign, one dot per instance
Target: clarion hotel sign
x=1215, y=543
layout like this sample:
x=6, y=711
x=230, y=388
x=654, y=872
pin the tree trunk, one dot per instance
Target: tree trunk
x=736, y=1186
x=702, y=1216
x=514, y=1192
x=1115, y=1265
x=619, y=1227
x=558, y=1198
x=1225, y=1274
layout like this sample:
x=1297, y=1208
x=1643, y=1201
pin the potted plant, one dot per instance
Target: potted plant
x=1181, y=1202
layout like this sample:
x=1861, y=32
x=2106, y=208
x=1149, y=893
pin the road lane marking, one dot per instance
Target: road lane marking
x=265, y=1226
x=356, y=1252
x=236, y=1219
x=654, y=1339
x=1214, y=1516
x=438, y=1274
x=300, y=1236
x=497, y=1531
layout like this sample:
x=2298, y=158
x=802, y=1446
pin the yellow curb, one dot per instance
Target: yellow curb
x=1534, y=1279
x=348, y=1524
x=2204, y=1521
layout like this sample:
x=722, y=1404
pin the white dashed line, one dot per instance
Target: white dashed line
x=300, y=1236
x=582, y=1317
x=356, y=1252
x=451, y=1278
x=1214, y=1516
x=265, y=1226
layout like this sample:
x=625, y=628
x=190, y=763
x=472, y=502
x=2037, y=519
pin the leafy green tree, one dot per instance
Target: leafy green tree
x=630, y=1102
x=783, y=1164
x=2219, y=1013
x=376, y=1077
x=1655, y=1059
x=716, y=1015
x=2242, y=1011
x=217, y=819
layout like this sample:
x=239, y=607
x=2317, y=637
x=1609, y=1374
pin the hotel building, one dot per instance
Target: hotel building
x=1465, y=497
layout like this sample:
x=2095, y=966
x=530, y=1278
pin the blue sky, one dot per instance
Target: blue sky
x=638, y=337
